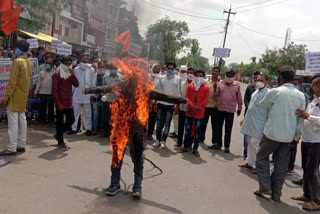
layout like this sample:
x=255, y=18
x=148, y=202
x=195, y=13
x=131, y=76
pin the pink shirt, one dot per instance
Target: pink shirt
x=229, y=96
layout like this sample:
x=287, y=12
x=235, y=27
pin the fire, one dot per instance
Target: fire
x=132, y=107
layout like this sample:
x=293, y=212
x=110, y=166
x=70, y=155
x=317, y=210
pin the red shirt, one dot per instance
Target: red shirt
x=62, y=90
x=229, y=96
x=197, y=98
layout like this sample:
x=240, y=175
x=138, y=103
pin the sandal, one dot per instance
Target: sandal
x=7, y=153
x=299, y=198
x=196, y=153
x=183, y=150
x=245, y=165
x=311, y=206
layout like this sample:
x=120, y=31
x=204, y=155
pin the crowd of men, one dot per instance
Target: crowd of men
x=274, y=123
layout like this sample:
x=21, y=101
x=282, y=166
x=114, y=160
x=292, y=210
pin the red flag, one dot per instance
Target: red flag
x=124, y=39
x=11, y=22
x=6, y=5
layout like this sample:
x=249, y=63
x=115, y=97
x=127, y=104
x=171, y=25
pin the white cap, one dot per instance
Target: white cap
x=183, y=68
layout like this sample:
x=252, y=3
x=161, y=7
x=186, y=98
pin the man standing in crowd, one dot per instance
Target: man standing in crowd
x=87, y=78
x=155, y=77
x=62, y=82
x=197, y=95
x=44, y=88
x=15, y=99
x=310, y=150
x=94, y=63
x=211, y=109
x=251, y=88
x=282, y=129
x=255, y=121
x=182, y=108
x=110, y=79
x=167, y=86
x=229, y=94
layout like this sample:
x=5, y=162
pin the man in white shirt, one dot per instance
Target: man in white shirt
x=310, y=150
x=87, y=78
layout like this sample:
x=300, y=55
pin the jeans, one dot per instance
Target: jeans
x=106, y=121
x=245, y=144
x=182, y=118
x=63, y=125
x=96, y=113
x=214, y=113
x=293, y=153
x=46, y=103
x=164, y=117
x=197, y=127
x=152, y=120
x=228, y=117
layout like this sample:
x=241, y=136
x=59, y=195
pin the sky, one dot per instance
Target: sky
x=252, y=30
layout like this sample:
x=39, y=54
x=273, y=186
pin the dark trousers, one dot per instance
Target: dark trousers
x=46, y=105
x=106, y=121
x=227, y=117
x=197, y=128
x=164, y=117
x=293, y=153
x=181, y=123
x=213, y=113
x=311, y=177
x=152, y=120
x=63, y=125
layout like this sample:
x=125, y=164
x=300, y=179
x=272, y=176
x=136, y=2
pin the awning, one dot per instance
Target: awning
x=40, y=36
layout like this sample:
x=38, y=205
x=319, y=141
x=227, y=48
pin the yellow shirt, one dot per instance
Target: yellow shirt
x=19, y=82
x=213, y=100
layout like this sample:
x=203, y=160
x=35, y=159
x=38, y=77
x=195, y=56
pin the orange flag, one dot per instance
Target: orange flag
x=11, y=20
x=124, y=38
x=6, y=5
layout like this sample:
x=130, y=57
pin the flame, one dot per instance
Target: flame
x=132, y=106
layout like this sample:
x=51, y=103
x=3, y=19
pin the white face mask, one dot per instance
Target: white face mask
x=156, y=75
x=190, y=77
x=84, y=66
x=198, y=82
x=101, y=71
x=183, y=75
x=229, y=79
x=95, y=64
x=259, y=85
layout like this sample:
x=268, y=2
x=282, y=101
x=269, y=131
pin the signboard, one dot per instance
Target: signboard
x=313, y=62
x=134, y=50
x=54, y=43
x=5, y=68
x=64, y=49
x=33, y=43
x=91, y=39
x=221, y=52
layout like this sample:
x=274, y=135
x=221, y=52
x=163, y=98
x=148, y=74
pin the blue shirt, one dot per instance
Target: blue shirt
x=283, y=125
x=255, y=118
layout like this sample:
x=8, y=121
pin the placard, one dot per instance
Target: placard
x=313, y=62
x=221, y=52
x=55, y=43
x=5, y=68
x=64, y=49
x=33, y=43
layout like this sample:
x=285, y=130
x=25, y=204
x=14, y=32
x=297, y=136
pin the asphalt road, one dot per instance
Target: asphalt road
x=45, y=180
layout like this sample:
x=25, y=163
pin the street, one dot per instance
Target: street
x=46, y=180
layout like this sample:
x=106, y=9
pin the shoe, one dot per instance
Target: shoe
x=156, y=144
x=173, y=135
x=63, y=147
x=71, y=132
x=196, y=153
x=214, y=146
x=7, y=153
x=298, y=182
x=227, y=150
x=163, y=145
x=88, y=133
x=112, y=190
x=21, y=149
x=136, y=195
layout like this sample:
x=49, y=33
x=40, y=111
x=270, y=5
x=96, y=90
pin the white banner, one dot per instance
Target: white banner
x=313, y=62
x=54, y=43
x=221, y=52
x=64, y=49
x=33, y=43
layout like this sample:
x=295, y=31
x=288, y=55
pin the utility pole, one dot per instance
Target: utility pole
x=226, y=30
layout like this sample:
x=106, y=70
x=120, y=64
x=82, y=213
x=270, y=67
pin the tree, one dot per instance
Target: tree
x=166, y=39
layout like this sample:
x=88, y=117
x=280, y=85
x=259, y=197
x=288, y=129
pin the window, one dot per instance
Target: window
x=66, y=31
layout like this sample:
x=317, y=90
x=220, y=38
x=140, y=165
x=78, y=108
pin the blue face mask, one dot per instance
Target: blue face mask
x=297, y=87
x=74, y=62
x=48, y=66
x=170, y=73
x=17, y=53
x=113, y=71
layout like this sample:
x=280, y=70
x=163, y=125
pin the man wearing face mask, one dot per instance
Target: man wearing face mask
x=94, y=63
x=87, y=78
x=155, y=77
x=255, y=121
x=97, y=105
x=229, y=94
x=74, y=61
x=197, y=94
x=110, y=79
x=43, y=88
x=15, y=99
x=167, y=85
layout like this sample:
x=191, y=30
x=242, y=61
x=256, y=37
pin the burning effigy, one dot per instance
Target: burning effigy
x=129, y=117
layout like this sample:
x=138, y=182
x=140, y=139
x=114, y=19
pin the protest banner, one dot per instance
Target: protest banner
x=221, y=52
x=64, y=49
x=5, y=68
x=313, y=62
x=55, y=43
x=35, y=72
x=33, y=43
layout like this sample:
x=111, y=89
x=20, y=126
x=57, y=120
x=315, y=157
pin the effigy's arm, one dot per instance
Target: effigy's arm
x=99, y=89
x=156, y=95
